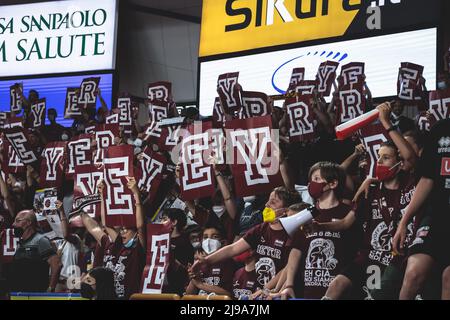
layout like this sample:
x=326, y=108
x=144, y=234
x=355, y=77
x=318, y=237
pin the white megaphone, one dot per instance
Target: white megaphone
x=292, y=223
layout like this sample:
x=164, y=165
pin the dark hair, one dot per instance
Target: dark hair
x=391, y=144
x=298, y=206
x=53, y=110
x=288, y=197
x=104, y=283
x=330, y=172
x=176, y=214
x=218, y=227
x=417, y=136
x=33, y=91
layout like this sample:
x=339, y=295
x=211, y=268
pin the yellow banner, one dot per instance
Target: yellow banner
x=238, y=25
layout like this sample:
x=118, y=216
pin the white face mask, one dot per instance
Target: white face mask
x=137, y=142
x=211, y=245
x=196, y=244
x=249, y=199
x=218, y=210
x=442, y=85
x=137, y=150
x=64, y=137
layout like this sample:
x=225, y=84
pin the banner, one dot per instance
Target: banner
x=254, y=104
x=218, y=116
x=297, y=76
x=351, y=103
x=157, y=261
x=105, y=135
x=161, y=90
x=408, y=85
x=19, y=141
x=37, y=114
x=71, y=107
x=80, y=203
x=439, y=105
x=119, y=200
x=150, y=166
x=229, y=92
x=85, y=182
x=11, y=161
x=124, y=106
x=87, y=97
x=15, y=93
x=196, y=174
x=9, y=245
x=326, y=76
x=351, y=73
x=372, y=136
x=53, y=165
x=254, y=158
x=301, y=118
x=78, y=153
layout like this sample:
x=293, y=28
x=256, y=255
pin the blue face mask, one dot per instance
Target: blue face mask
x=130, y=243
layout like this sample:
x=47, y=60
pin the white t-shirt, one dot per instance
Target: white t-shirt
x=69, y=258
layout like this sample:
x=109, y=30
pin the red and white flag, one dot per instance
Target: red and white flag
x=85, y=182
x=326, y=76
x=254, y=155
x=87, y=97
x=218, y=116
x=157, y=262
x=104, y=135
x=79, y=153
x=254, y=104
x=150, y=168
x=439, y=105
x=351, y=103
x=71, y=108
x=9, y=244
x=161, y=90
x=18, y=139
x=15, y=92
x=229, y=92
x=408, y=84
x=352, y=73
x=37, y=114
x=301, y=118
x=372, y=136
x=53, y=165
x=119, y=200
x=297, y=76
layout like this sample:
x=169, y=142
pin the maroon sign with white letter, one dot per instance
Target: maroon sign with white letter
x=153, y=132
x=52, y=165
x=196, y=174
x=301, y=118
x=79, y=153
x=15, y=92
x=151, y=167
x=351, y=103
x=119, y=200
x=86, y=179
x=254, y=104
x=326, y=76
x=9, y=244
x=124, y=106
x=88, y=92
x=158, y=252
x=297, y=76
x=19, y=141
x=158, y=110
x=37, y=114
x=439, y=105
x=352, y=73
x=113, y=118
x=255, y=158
x=161, y=90
x=372, y=136
x=11, y=162
x=218, y=116
x=408, y=85
x=229, y=92
x=422, y=122
x=104, y=137
x=71, y=108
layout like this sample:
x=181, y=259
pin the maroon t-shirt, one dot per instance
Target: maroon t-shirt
x=127, y=264
x=244, y=283
x=325, y=252
x=220, y=275
x=271, y=251
x=381, y=212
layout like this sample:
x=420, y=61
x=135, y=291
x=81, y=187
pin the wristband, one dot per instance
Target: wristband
x=390, y=129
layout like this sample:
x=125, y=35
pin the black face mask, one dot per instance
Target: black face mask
x=18, y=232
x=87, y=291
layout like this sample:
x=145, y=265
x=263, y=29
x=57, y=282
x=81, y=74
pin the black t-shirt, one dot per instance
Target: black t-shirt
x=435, y=164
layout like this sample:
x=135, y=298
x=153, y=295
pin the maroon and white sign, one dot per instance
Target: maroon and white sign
x=161, y=90
x=422, y=122
x=218, y=116
x=445, y=167
x=153, y=132
x=351, y=103
x=87, y=97
x=157, y=263
x=151, y=167
x=326, y=76
x=4, y=116
x=372, y=136
x=297, y=76
x=11, y=162
x=15, y=93
x=170, y=137
x=37, y=114
x=352, y=73
x=113, y=118
x=104, y=138
x=439, y=105
x=79, y=153
x=19, y=141
x=124, y=106
x=52, y=165
x=196, y=173
x=229, y=92
x=119, y=200
x=9, y=244
x=408, y=85
x=254, y=158
x=254, y=104
x=71, y=108
x=301, y=118
x=85, y=182
x=158, y=110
